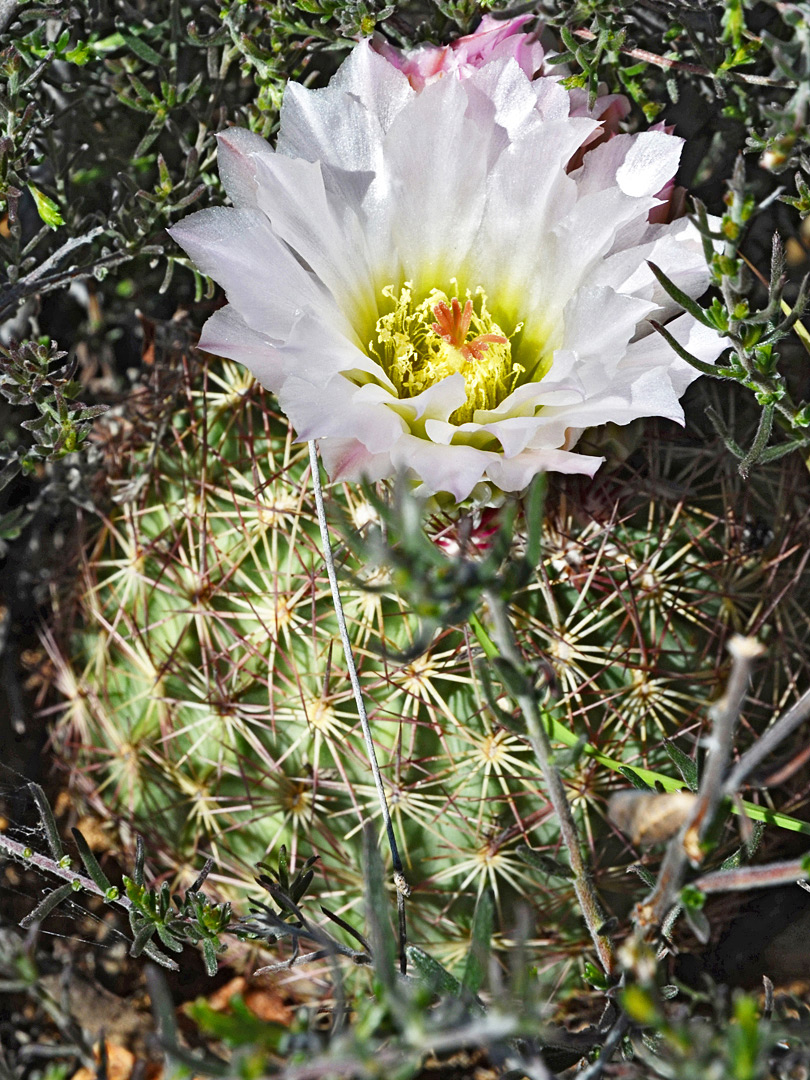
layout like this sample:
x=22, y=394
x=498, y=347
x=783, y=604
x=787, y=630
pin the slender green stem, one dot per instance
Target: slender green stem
x=402, y=887
x=538, y=739
x=760, y=440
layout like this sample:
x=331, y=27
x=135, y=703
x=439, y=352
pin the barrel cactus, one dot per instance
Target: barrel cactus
x=204, y=700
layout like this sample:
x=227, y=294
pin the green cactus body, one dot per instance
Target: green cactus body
x=206, y=703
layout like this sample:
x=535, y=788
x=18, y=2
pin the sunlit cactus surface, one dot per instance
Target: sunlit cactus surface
x=204, y=699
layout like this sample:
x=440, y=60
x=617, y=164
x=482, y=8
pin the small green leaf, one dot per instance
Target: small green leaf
x=302, y=882
x=13, y=523
x=431, y=972
x=151, y=950
x=733, y=22
x=350, y=930
x=733, y=861
x=79, y=55
x=679, y=296
x=142, y=936
x=46, y=906
x=692, y=898
x=635, y=779
x=283, y=866
x=544, y=863
x=141, y=49
x=594, y=977
x=483, y=927
x=684, y=764
x=46, y=208
x=712, y=370
x=488, y=646
x=108, y=44
x=646, y=875
x=169, y=939
x=48, y=823
x=91, y=862
x=209, y=957
x=140, y=855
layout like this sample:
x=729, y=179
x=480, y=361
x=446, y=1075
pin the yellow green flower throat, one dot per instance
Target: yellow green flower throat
x=418, y=344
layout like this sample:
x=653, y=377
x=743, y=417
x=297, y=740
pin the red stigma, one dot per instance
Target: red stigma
x=453, y=324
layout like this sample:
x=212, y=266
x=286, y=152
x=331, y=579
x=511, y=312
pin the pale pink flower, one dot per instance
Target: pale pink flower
x=494, y=39
x=504, y=38
x=347, y=246
x=500, y=39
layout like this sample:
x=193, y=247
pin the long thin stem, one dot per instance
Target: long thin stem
x=607, y=1049
x=27, y=857
x=686, y=845
x=538, y=739
x=767, y=743
x=725, y=713
x=400, y=883
x=753, y=877
x=694, y=69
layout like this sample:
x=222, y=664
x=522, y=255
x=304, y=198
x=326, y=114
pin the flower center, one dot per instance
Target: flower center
x=420, y=343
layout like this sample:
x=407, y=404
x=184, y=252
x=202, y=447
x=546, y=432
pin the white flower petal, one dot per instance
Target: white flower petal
x=528, y=187
x=435, y=403
x=677, y=247
x=650, y=162
x=513, y=433
x=456, y=469
x=503, y=91
x=437, y=156
x=639, y=165
x=227, y=334
x=237, y=150
x=343, y=123
x=348, y=459
x=485, y=182
x=336, y=407
x=260, y=275
x=630, y=395
x=521, y=402
x=314, y=335
x=589, y=228
x=701, y=341
x=515, y=474
x=552, y=100
x=326, y=236
x=599, y=322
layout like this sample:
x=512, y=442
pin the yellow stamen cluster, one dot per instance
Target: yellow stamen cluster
x=420, y=343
